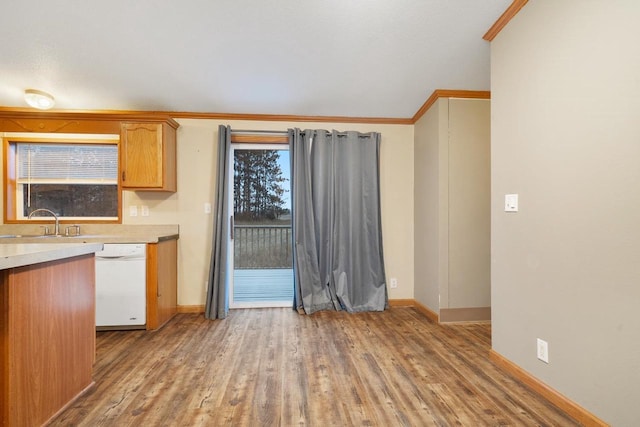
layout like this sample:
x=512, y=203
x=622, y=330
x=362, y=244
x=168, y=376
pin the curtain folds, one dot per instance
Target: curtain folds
x=217, y=305
x=338, y=257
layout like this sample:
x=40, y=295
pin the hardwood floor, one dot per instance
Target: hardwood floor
x=276, y=367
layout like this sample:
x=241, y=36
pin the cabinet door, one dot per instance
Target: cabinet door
x=162, y=282
x=142, y=155
x=167, y=280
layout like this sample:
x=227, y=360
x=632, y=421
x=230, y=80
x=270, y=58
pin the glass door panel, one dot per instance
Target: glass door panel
x=262, y=239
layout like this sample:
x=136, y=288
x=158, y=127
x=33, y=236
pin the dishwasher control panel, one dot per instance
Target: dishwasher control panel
x=123, y=250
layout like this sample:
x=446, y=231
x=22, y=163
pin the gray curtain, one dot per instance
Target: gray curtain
x=217, y=304
x=338, y=258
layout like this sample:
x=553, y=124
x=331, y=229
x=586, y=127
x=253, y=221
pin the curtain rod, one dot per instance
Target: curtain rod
x=344, y=133
x=286, y=133
x=259, y=132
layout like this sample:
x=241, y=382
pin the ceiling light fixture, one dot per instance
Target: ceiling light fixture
x=38, y=99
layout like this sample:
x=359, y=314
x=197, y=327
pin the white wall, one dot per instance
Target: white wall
x=197, y=150
x=566, y=138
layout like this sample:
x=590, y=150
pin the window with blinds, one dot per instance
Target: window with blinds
x=92, y=163
x=75, y=180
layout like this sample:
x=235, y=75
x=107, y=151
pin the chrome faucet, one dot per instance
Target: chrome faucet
x=56, y=231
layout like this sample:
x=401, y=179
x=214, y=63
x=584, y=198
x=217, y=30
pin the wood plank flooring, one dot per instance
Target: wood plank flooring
x=274, y=367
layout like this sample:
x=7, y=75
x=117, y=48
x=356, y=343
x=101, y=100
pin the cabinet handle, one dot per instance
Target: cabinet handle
x=123, y=175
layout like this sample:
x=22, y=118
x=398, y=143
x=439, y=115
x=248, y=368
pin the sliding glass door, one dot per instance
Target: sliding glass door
x=261, y=239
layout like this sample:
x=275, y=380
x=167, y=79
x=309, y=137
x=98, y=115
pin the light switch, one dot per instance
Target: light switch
x=207, y=208
x=144, y=210
x=511, y=203
x=133, y=210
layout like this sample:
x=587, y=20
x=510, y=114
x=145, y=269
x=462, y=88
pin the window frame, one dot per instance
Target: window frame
x=11, y=192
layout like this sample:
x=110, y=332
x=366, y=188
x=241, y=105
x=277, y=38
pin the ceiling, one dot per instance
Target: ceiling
x=354, y=58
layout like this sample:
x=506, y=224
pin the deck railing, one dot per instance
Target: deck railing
x=262, y=246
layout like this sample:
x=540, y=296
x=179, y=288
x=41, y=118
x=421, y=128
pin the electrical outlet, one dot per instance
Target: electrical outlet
x=543, y=350
x=133, y=210
x=394, y=283
x=144, y=210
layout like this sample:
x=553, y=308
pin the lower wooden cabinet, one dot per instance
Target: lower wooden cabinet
x=47, y=338
x=162, y=281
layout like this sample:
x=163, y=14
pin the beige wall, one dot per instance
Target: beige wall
x=469, y=204
x=430, y=205
x=197, y=148
x=452, y=199
x=566, y=138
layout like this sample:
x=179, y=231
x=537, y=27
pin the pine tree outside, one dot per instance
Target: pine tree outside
x=262, y=214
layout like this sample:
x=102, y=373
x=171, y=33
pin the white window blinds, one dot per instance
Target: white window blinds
x=79, y=163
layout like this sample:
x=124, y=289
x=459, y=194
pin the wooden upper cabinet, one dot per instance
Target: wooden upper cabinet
x=148, y=156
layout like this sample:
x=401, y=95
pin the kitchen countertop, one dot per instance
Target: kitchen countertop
x=21, y=254
x=89, y=233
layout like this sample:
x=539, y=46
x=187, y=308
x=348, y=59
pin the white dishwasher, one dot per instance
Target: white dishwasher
x=121, y=286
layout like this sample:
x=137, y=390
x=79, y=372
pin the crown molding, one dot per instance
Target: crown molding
x=290, y=118
x=9, y=113
x=504, y=19
x=446, y=93
x=169, y=116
